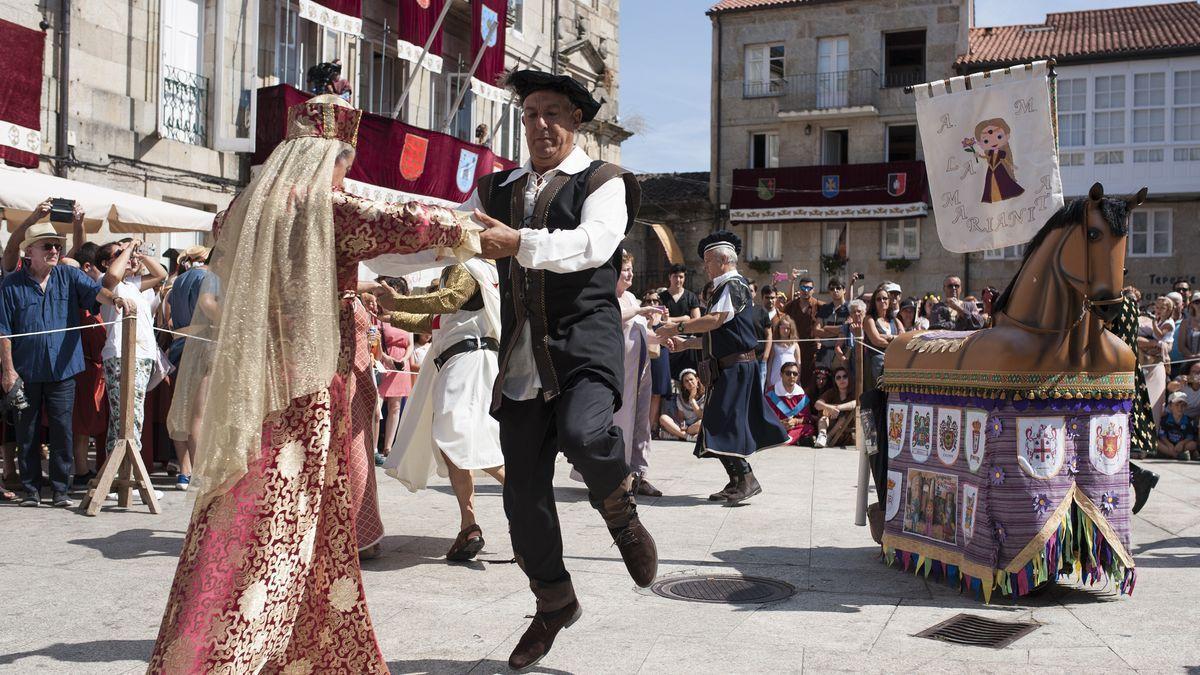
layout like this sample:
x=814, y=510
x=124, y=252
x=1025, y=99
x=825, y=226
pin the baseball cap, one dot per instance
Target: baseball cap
x=891, y=287
x=1176, y=397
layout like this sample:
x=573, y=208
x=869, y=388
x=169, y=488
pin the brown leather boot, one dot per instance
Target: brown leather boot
x=636, y=545
x=725, y=491
x=747, y=487
x=539, y=637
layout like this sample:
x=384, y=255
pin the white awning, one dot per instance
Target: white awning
x=21, y=190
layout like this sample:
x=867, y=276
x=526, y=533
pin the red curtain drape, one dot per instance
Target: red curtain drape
x=489, y=17
x=20, y=94
x=417, y=20
x=391, y=154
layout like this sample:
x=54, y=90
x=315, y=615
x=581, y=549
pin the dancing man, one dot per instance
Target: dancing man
x=446, y=426
x=736, y=420
x=553, y=227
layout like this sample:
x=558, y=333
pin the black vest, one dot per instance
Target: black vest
x=737, y=335
x=574, y=318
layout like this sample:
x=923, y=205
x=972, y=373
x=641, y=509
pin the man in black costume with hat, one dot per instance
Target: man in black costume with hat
x=736, y=420
x=554, y=227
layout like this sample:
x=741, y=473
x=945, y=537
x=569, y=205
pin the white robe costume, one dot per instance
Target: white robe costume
x=448, y=408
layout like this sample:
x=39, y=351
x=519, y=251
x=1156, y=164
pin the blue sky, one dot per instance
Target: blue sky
x=666, y=53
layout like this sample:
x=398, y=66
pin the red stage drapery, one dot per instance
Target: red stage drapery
x=880, y=191
x=391, y=154
x=20, y=94
x=418, y=18
x=489, y=18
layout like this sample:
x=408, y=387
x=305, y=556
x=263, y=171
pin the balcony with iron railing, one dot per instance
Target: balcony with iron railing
x=184, y=106
x=821, y=94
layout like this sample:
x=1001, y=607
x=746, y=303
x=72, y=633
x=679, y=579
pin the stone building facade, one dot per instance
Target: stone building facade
x=805, y=90
x=162, y=99
x=808, y=90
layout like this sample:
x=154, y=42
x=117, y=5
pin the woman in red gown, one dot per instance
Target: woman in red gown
x=268, y=579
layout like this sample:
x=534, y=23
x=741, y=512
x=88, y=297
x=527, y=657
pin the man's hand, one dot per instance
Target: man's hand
x=78, y=214
x=497, y=240
x=675, y=344
x=9, y=379
x=386, y=296
x=667, y=331
x=126, y=305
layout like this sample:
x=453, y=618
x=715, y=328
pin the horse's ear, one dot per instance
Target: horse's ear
x=1139, y=198
x=1096, y=193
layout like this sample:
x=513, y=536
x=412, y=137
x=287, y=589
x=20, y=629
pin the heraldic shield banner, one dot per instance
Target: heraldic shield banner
x=991, y=154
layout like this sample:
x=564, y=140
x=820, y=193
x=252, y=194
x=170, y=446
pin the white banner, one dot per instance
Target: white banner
x=991, y=156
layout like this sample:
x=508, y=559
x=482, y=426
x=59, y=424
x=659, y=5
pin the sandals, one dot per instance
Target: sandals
x=467, y=545
x=7, y=495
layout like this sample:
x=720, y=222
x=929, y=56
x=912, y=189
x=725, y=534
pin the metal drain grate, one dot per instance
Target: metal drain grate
x=724, y=588
x=977, y=631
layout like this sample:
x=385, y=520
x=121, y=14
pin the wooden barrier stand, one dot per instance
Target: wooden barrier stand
x=123, y=469
x=864, y=462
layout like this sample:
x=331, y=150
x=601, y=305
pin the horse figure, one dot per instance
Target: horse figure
x=1051, y=317
x=1039, y=485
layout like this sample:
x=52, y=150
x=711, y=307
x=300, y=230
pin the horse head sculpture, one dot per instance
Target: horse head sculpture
x=1073, y=269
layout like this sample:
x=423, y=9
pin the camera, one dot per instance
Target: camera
x=147, y=250
x=62, y=210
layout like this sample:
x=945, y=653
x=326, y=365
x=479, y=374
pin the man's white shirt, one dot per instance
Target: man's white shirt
x=591, y=244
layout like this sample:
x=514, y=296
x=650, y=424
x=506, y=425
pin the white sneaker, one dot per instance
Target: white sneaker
x=820, y=440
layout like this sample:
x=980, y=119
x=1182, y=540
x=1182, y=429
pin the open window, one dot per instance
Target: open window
x=902, y=143
x=903, y=58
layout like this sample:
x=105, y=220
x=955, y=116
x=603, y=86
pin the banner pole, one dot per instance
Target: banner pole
x=437, y=26
x=512, y=97
x=462, y=91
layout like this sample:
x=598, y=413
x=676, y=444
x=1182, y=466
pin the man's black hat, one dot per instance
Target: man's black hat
x=525, y=82
x=720, y=238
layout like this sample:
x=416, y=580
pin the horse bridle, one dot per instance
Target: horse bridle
x=1088, y=303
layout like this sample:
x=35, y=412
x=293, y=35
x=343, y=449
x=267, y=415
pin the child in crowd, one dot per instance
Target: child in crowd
x=1177, y=431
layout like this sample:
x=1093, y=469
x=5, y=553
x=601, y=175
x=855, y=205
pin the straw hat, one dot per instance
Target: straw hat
x=41, y=232
x=194, y=254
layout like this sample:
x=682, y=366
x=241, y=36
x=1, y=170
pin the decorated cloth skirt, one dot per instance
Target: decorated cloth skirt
x=1004, y=494
x=737, y=422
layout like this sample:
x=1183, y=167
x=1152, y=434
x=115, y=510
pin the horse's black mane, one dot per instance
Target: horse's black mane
x=1115, y=212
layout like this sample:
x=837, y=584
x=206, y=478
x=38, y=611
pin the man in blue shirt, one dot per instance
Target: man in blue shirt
x=40, y=296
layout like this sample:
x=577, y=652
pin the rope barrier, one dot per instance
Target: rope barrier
x=59, y=330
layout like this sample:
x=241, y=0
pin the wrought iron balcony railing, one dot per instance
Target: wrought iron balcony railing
x=185, y=106
x=824, y=91
x=821, y=91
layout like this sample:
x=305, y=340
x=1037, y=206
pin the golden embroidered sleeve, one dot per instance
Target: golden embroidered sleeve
x=367, y=228
x=457, y=289
x=413, y=323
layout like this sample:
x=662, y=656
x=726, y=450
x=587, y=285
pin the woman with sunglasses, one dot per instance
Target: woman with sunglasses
x=835, y=426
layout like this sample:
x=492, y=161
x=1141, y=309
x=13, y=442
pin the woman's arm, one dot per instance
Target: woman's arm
x=874, y=337
x=156, y=273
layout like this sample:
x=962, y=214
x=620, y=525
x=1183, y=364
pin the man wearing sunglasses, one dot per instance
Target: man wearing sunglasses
x=953, y=313
x=43, y=295
x=803, y=308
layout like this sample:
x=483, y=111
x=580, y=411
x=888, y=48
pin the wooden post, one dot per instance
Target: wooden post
x=864, y=462
x=125, y=458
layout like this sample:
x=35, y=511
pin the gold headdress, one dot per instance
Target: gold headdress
x=319, y=118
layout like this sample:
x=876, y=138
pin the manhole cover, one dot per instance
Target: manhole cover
x=724, y=588
x=977, y=631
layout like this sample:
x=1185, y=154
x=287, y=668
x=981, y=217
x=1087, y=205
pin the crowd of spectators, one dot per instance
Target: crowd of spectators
x=60, y=407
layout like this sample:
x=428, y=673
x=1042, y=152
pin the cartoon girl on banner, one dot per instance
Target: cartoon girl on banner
x=999, y=183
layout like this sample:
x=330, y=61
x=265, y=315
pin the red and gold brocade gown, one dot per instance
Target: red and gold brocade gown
x=269, y=579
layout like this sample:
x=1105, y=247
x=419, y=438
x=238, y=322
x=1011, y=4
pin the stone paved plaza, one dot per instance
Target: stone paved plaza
x=84, y=595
